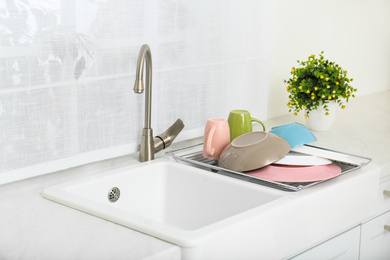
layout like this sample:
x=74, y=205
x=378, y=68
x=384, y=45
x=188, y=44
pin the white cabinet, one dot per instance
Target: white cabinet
x=384, y=195
x=343, y=246
x=368, y=241
x=375, y=238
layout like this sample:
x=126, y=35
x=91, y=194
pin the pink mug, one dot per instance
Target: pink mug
x=216, y=137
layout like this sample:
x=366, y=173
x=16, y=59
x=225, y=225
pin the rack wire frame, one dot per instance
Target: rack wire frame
x=193, y=155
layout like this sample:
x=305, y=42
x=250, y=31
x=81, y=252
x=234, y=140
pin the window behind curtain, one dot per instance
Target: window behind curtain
x=67, y=72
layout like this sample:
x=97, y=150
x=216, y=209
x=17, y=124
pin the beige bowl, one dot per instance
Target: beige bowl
x=252, y=151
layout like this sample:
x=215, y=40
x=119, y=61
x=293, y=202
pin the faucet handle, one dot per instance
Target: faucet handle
x=165, y=139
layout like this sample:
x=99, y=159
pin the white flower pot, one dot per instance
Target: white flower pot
x=317, y=119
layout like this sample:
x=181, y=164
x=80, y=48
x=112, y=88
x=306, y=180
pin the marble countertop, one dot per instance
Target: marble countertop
x=34, y=228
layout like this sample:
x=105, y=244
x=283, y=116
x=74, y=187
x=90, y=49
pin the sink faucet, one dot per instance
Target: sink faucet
x=150, y=145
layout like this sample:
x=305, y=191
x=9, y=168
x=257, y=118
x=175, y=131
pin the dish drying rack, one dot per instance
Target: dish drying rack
x=193, y=155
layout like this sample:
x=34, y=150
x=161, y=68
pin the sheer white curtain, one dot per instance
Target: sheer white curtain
x=67, y=71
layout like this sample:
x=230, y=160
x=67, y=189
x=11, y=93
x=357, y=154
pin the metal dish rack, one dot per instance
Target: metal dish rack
x=193, y=155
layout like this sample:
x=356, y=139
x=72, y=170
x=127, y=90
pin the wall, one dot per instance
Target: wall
x=353, y=33
x=68, y=67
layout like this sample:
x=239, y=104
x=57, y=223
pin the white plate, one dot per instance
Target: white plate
x=293, y=158
x=333, y=155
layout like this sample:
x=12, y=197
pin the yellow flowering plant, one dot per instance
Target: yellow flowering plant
x=316, y=83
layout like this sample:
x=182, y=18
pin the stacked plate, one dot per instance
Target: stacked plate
x=295, y=166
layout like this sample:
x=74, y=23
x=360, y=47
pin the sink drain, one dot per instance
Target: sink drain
x=114, y=194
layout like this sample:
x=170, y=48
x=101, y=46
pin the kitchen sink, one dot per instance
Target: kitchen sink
x=165, y=193
x=214, y=216
x=162, y=198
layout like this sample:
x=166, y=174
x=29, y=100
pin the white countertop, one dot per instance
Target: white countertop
x=363, y=128
x=34, y=228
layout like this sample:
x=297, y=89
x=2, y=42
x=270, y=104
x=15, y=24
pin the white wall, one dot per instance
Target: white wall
x=209, y=57
x=67, y=70
x=353, y=33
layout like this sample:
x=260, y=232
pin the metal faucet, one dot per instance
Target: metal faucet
x=150, y=145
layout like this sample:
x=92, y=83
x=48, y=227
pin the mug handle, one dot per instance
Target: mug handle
x=209, y=150
x=258, y=121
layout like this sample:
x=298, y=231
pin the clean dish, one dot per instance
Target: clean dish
x=216, y=137
x=240, y=122
x=332, y=155
x=294, y=158
x=295, y=134
x=252, y=151
x=297, y=173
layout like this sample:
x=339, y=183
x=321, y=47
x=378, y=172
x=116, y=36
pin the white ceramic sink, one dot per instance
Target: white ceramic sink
x=202, y=211
x=162, y=198
x=164, y=193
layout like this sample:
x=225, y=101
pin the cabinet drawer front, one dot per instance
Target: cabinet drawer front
x=375, y=238
x=384, y=196
x=344, y=246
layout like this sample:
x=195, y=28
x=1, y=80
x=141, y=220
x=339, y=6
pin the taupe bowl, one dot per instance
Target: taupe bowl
x=252, y=151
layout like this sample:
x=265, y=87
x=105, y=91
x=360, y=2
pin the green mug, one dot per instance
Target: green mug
x=240, y=122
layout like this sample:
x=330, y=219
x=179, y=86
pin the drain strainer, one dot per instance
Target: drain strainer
x=114, y=194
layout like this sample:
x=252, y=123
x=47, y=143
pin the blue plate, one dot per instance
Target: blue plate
x=295, y=134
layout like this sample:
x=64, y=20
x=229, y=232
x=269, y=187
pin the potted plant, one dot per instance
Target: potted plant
x=317, y=85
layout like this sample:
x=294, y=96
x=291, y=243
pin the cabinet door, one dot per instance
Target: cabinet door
x=343, y=246
x=375, y=240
